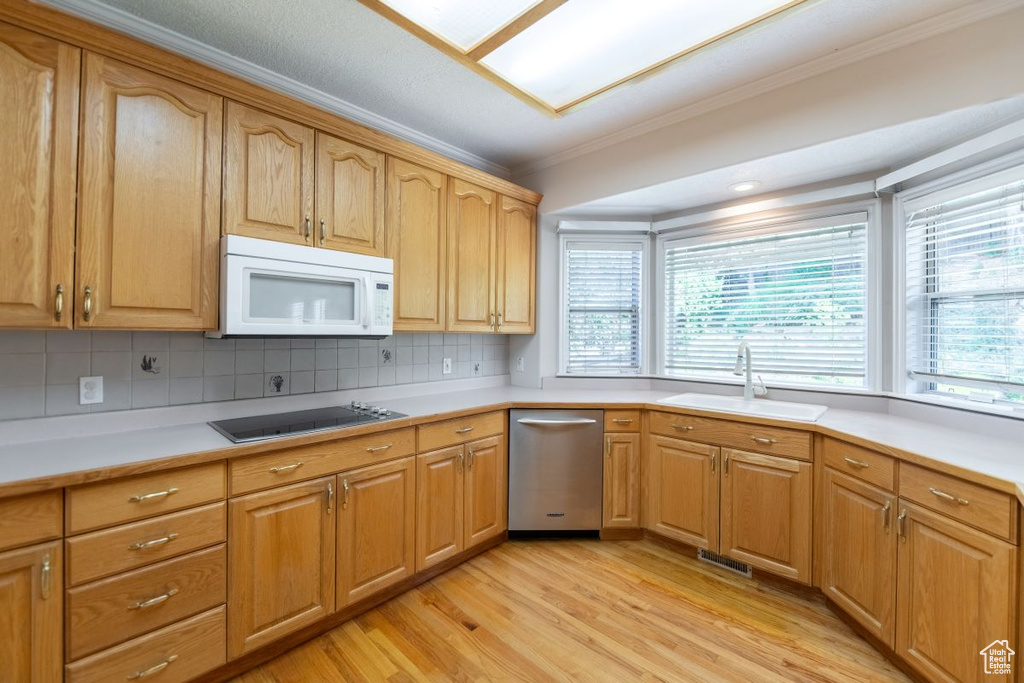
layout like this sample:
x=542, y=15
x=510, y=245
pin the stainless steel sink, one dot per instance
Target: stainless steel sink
x=780, y=410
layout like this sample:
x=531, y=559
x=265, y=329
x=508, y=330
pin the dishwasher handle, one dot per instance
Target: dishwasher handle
x=545, y=422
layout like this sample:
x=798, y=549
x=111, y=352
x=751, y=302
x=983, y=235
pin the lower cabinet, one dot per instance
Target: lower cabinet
x=859, y=552
x=376, y=529
x=766, y=512
x=486, y=491
x=281, y=562
x=681, y=491
x=621, y=505
x=31, y=620
x=957, y=592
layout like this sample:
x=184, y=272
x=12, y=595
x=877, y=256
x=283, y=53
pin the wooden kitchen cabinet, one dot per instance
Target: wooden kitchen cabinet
x=766, y=512
x=268, y=176
x=376, y=529
x=417, y=239
x=516, y=267
x=859, y=552
x=281, y=562
x=439, y=506
x=486, y=490
x=681, y=491
x=957, y=592
x=621, y=505
x=472, y=253
x=349, y=196
x=39, y=147
x=31, y=614
x=149, y=201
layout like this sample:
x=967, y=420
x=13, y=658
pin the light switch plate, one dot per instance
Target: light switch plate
x=90, y=390
x=446, y=366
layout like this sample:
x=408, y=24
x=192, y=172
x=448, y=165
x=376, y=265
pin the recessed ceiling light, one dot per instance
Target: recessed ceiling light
x=745, y=186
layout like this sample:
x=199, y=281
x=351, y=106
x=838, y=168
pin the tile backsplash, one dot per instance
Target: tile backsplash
x=39, y=371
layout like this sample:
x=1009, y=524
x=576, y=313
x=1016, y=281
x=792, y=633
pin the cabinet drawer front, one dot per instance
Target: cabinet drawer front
x=94, y=506
x=111, y=551
x=189, y=648
x=791, y=443
x=460, y=430
x=976, y=505
x=622, y=421
x=30, y=519
x=861, y=463
x=316, y=460
x=113, y=610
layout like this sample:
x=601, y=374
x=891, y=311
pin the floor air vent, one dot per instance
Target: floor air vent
x=724, y=562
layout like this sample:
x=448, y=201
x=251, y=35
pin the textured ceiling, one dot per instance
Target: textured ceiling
x=346, y=50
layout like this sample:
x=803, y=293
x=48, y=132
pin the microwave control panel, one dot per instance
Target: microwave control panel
x=382, y=304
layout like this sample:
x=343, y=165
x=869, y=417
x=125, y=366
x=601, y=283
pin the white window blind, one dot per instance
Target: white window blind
x=965, y=289
x=603, y=296
x=796, y=294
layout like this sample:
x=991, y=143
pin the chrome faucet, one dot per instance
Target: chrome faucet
x=749, y=390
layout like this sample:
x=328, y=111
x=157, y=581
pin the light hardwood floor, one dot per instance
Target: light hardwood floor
x=586, y=610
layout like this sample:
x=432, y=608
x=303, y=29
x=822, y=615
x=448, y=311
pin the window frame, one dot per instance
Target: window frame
x=779, y=223
x=604, y=239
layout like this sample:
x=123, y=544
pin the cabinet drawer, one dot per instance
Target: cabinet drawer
x=972, y=504
x=316, y=460
x=749, y=437
x=621, y=421
x=94, y=506
x=30, y=519
x=111, y=551
x=460, y=430
x=861, y=463
x=189, y=648
x=113, y=610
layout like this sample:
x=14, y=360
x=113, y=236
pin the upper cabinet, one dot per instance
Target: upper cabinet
x=516, y=273
x=149, y=201
x=349, y=196
x=268, y=176
x=472, y=249
x=417, y=241
x=38, y=145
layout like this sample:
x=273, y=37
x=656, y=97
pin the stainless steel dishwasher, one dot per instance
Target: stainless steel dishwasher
x=555, y=470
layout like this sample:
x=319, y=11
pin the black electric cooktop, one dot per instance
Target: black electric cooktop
x=260, y=427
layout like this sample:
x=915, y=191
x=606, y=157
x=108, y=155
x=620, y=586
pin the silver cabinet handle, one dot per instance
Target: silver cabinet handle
x=156, y=668
x=152, y=602
x=950, y=497
x=58, y=303
x=286, y=468
x=541, y=421
x=464, y=430
x=44, y=578
x=153, y=496
x=886, y=513
x=622, y=420
x=469, y=459
x=725, y=463
x=857, y=463
x=462, y=461
x=682, y=428
x=308, y=227
x=344, y=493
x=375, y=449
x=142, y=545
x=323, y=231
x=87, y=305
x=767, y=441
x=902, y=522
x=330, y=497
x=492, y=318
x=501, y=318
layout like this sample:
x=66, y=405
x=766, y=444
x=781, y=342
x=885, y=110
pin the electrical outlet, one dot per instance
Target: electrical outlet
x=90, y=390
x=520, y=364
x=446, y=366
x=477, y=369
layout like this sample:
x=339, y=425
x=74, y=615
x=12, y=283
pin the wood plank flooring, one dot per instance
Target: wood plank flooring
x=587, y=610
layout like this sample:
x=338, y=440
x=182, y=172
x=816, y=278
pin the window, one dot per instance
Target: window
x=797, y=293
x=965, y=290
x=603, y=299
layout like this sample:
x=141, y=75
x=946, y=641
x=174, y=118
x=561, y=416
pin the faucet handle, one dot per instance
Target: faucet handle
x=761, y=390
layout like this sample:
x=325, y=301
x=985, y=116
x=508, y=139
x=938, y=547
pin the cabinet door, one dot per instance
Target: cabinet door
x=472, y=247
x=621, y=507
x=149, y=204
x=39, y=148
x=486, y=511
x=517, y=259
x=349, y=196
x=376, y=529
x=766, y=513
x=956, y=589
x=681, y=492
x=268, y=176
x=280, y=562
x=859, y=552
x=439, y=506
x=417, y=238
x=31, y=614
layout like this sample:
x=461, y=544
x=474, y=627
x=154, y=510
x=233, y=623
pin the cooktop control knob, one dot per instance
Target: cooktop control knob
x=384, y=412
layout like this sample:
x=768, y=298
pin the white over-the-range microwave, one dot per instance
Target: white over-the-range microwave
x=275, y=289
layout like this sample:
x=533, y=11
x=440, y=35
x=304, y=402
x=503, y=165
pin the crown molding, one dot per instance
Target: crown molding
x=922, y=30
x=147, y=31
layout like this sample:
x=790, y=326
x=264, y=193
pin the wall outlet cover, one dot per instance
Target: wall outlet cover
x=520, y=364
x=90, y=390
x=446, y=366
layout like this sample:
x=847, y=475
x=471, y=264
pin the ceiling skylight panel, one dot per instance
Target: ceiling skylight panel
x=464, y=23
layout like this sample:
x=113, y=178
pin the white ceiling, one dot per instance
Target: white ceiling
x=349, y=52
